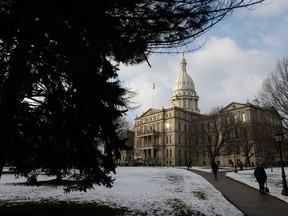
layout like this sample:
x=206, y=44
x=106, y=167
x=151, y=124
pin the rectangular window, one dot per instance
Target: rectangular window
x=235, y=118
x=243, y=117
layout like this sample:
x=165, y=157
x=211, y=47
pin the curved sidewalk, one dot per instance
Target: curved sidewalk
x=245, y=198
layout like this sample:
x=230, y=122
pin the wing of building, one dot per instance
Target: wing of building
x=240, y=133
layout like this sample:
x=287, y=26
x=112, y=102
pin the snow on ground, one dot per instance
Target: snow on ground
x=274, y=180
x=151, y=190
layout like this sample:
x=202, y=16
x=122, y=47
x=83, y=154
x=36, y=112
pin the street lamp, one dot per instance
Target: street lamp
x=278, y=137
x=235, y=165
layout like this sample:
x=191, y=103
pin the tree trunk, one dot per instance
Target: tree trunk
x=1, y=168
x=10, y=95
x=58, y=176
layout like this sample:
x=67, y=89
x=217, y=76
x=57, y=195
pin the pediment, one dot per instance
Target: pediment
x=233, y=106
x=150, y=112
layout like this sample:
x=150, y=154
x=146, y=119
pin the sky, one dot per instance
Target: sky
x=237, y=55
x=151, y=190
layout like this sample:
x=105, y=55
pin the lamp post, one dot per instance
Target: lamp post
x=235, y=165
x=278, y=137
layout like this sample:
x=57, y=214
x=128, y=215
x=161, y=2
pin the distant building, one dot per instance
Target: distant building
x=176, y=135
x=248, y=133
x=163, y=136
x=254, y=131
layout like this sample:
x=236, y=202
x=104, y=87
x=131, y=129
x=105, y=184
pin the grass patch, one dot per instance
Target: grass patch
x=200, y=195
x=60, y=209
x=174, y=178
x=181, y=209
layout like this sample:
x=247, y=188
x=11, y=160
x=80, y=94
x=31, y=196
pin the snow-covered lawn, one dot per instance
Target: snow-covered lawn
x=148, y=190
x=274, y=180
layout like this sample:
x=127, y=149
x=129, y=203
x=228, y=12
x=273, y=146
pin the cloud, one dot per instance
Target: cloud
x=238, y=55
x=266, y=10
x=264, y=27
x=222, y=73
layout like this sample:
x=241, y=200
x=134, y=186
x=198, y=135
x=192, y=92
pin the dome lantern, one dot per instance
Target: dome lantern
x=184, y=94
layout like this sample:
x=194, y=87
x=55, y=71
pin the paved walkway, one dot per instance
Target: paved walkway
x=245, y=198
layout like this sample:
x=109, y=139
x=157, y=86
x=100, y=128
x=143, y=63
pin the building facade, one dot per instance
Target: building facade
x=253, y=134
x=163, y=136
x=175, y=135
x=242, y=132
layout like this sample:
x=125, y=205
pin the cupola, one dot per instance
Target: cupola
x=184, y=94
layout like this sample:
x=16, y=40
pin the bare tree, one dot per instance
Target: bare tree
x=123, y=126
x=246, y=143
x=256, y=138
x=274, y=91
x=252, y=140
x=215, y=132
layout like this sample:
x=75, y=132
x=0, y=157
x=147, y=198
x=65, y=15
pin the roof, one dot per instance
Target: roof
x=183, y=81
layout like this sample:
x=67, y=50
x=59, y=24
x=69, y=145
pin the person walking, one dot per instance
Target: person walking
x=215, y=169
x=261, y=177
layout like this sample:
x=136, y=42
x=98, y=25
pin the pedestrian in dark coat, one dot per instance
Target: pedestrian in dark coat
x=261, y=177
x=215, y=169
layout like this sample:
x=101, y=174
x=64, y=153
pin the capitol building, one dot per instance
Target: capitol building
x=180, y=135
